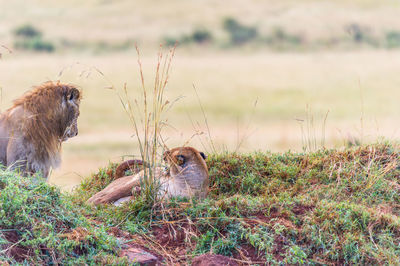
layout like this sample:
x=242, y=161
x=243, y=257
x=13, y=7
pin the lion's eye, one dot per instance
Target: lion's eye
x=180, y=159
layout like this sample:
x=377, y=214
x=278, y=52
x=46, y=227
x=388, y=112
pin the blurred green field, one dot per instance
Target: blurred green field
x=253, y=98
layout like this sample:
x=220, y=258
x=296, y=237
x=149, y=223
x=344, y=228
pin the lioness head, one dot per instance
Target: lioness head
x=188, y=172
x=184, y=158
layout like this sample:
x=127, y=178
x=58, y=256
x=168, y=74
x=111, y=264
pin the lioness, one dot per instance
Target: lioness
x=187, y=177
x=32, y=130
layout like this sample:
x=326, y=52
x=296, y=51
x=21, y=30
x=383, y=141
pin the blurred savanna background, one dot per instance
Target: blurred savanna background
x=246, y=75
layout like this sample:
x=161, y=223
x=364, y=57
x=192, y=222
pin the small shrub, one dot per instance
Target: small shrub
x=201, y=36
x=35, y=44
x=29, y=38
x=239, y=34
x=393, y=39
x=27, y=31
x=357, y=32
x=279, y=38
x=170, y=41
x=198, y=36
x=361, y=34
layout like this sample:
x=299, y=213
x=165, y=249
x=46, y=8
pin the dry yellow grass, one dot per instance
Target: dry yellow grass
x=228, y=82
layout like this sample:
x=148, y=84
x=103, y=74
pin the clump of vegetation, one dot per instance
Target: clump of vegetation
x=328, y=206
x=198, y=36
x=361, y=34
x=27, y=31
x=147, y=120
x=100, y=46
x=393, y=39
x=35, y=44
x=280, y=39
x=238, y=33
x=30, y=38
x=99, y=180
x=40, y=226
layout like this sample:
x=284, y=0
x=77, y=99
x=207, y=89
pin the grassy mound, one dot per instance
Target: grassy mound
x=40, y=226
x=316, y=208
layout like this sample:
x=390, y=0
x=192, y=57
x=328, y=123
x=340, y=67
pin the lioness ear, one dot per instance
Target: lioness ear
x=203, y=155
x=165, y=156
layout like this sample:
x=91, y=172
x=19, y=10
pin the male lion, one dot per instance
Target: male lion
x=32, y=130
x=187, y=177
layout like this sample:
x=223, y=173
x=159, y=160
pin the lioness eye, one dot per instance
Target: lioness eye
x=180, y=159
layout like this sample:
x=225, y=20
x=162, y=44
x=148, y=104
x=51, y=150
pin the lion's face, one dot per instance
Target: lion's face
x=70, y=112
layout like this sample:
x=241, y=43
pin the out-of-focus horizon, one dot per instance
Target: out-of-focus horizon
x=270, y=75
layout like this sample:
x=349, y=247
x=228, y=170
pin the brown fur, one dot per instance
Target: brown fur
x=127, y=165
x=187, y=177
x=33, y=129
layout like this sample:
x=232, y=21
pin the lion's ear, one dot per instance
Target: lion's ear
x=72, y=95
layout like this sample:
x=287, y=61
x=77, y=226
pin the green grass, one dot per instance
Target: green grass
x=323, y=207
x=40, y=225
x=329, y=206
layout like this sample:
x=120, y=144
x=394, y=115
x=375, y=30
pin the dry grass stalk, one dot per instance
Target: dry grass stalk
x=147, y=121
x=309, y=134
x=3, y=47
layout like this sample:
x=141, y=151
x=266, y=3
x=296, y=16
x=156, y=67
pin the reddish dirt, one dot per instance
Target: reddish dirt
x=115, y=231
x=272, y=218
x=125, y=236
x=249, y=254
x=280, y=247
x=18, y=252
x=213, y=260
x=300, y=209
x=174, y=239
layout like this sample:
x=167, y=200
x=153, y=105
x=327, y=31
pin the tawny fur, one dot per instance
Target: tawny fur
x=187, y=177
x=32, y=130
x=127, y=165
